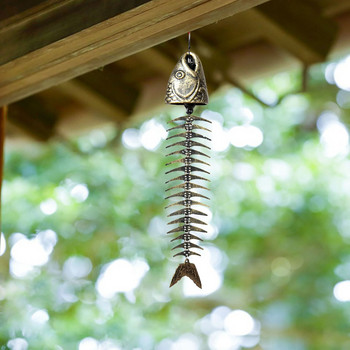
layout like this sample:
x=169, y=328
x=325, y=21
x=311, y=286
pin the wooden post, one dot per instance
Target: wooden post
x=3, y=114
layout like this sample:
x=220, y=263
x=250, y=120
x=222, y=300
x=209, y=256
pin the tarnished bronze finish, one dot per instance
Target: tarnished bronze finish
x=187, y=83
x=186, y=237
x=187, y=211
x=187, y=220
x=187, y=245
x=187, y=87
x=187, y=228
x=187, y=177
x=190, y=119
x=188, y=152
x=188, y=160
x=189, y=270
x=187, y=186
x=187, y=169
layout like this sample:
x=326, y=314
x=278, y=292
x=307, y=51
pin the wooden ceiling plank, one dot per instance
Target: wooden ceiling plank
x=333, y=8
x=231, y=33
x=34, y=117
x=92, y=100
x=12, y=11
x=156, y=60
x=133, y=31
x=298, y=27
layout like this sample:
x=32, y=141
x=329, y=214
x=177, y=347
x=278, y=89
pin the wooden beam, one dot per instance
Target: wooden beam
x=52, y=20
x=298, y=27
x=118, y=37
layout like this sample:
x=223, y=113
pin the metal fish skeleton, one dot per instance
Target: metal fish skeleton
x=187, y=86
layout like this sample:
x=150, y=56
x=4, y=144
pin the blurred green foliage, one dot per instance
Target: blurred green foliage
x=279, y=242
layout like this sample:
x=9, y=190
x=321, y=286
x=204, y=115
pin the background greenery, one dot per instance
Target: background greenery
x=87, y=263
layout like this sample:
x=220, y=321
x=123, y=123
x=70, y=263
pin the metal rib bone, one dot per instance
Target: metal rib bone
x=189, y=127
x=187, y=245
x=187, y=186
x=187, y=211
x=186, y=253
x=187, y=177
x=187, y=220
x=189, y=135
x=187, y=194
x=188, y=169
x=188, y=152
x=188, y=160
x=187, y=228
x=186, y=237
x=191, y=118
x=188, y=143
x=187, y=203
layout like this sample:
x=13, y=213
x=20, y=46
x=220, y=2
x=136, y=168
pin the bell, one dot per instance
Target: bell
x=187, y=85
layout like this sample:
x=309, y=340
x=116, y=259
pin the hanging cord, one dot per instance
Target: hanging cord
x=189, y=58
x=3, y=115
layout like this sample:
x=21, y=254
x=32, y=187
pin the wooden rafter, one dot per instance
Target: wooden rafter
x=298, y=27
x=34, y=117
x=110, y=40
x=92, y=100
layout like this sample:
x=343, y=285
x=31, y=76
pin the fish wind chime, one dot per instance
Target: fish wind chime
x=187, y=86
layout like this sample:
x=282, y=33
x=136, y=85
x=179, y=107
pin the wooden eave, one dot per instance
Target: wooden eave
x=60, y=58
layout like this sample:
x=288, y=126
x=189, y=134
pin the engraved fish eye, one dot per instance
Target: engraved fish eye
x=180, y=74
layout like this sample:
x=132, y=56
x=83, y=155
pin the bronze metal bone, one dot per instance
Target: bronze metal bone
x=187, y=204
x=187, y=169
x=187, y=220
x=187, y=195
x=187, y=211
x=187, y=177
x=188, y=143
x=186, y=237
x=187, y=229
x=187, y=186
x=190, y=118
x=189, y=135
x=188, y=126
x=186, y=253
x=188, y=152
x=188, y=161
x=187, y=245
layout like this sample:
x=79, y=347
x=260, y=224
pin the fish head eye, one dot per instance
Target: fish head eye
x=180, y=74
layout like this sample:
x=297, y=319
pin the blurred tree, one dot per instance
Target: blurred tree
x=85, y=259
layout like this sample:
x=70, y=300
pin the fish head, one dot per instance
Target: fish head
x=187, y=83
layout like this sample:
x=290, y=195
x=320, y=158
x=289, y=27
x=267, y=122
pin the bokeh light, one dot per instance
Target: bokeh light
x=48, y=207
x=2, y=244
x=341, y=291
x=121, y=275
x=342, y=74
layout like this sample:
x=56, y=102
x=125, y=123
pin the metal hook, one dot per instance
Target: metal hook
x=189, y=42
